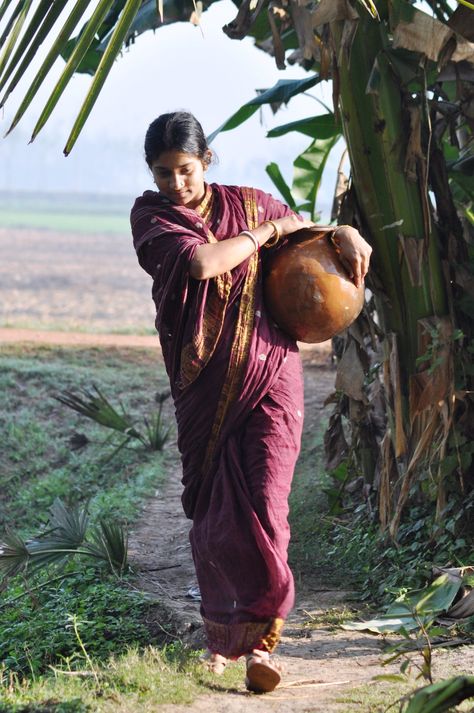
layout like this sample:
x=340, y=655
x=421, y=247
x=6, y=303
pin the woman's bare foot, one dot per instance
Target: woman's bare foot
x=215, y=663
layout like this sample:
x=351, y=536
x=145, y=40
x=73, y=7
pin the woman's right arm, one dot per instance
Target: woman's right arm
x=214, y=259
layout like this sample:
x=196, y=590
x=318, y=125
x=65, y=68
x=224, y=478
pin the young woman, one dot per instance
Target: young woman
x=236, y=381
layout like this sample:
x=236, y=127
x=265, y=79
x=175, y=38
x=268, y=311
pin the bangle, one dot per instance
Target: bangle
x=252, y=238
x=332, y=237
x=276, y=235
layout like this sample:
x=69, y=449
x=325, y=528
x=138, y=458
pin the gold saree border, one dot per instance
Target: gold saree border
x=236, y=640
x=242, y=337
x=196, y=353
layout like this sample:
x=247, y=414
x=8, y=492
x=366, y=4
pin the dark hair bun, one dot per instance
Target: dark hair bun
x=176, y=131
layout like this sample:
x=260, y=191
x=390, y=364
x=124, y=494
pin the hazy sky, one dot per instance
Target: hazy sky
x=177, y=67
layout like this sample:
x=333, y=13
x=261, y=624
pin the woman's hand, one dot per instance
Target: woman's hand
x=291, y=223
x=354, y=252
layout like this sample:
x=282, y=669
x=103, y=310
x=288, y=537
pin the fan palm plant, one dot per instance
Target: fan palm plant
x=67, y=535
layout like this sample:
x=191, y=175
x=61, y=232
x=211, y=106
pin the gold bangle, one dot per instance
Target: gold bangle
x=332, y=237
x=275, y=235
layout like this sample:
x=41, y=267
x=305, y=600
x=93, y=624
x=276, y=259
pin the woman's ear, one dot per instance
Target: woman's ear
x=207, y=158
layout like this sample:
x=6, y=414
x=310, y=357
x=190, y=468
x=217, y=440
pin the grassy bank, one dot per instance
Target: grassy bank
x=77, y=638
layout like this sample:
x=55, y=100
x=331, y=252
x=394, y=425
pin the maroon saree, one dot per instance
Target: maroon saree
x=236, y=381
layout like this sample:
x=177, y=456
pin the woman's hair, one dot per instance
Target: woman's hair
x=176, y=131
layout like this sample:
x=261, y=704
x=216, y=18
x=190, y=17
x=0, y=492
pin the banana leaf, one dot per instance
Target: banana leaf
x=408, y=610
x=280, y=93
x=323, y=126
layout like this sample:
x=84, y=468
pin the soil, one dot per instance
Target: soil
x=92, y=282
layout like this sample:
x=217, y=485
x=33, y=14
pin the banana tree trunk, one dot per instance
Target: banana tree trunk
x=386, y=135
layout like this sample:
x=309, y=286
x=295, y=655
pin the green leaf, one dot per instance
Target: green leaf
x=38, y=16
x=13, y=35
x=79, y=51
x=3, y=8
x=441, y=696
x=126, y=19
x=64, y=34
x=274, y=172
x=41, y=35
x=282, y=92
x=407, y=611
x=308, y=171
x=317, y=127
x=93, y=56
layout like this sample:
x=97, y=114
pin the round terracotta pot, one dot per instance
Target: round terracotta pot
x=307, y=290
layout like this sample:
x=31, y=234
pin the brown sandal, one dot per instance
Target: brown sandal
x=263, y=676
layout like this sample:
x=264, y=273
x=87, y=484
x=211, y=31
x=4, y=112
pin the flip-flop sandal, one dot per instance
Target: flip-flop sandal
x=262, y=675
x=215, y=663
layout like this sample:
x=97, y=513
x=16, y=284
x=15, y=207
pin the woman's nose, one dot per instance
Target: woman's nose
x=176, y=182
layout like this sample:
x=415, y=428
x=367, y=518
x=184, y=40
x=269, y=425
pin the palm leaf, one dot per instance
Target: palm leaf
x=109, y=541
x=58, y=45
x=98, y=408
x=42, y=33
x=16, y=11
x=66, y=537
x=80, y=49
x=3, y=8
x=13, y=554
x=38, y=16
x=13, y=35
x=130, y=10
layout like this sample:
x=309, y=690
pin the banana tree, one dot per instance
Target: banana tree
x=403, y=95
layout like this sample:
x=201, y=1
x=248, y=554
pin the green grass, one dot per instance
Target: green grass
x=37, y=461
x=78, y=213
x=125, y=653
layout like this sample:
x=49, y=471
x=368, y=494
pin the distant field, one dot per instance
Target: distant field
x=77, y=213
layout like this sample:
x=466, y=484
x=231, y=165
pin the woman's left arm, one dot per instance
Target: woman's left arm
x=354, y=252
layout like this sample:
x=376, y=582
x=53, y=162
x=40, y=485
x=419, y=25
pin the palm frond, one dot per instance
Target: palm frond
x=109, y=541
x=3, y=8
x=14, y=554
x=73, y=62
x=118, y=36
x=65, y=537
x=10, y=42
x=42, y=33
x=57, y=47
x=98, y=408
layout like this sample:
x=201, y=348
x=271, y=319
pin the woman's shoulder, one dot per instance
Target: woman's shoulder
x=148, y=199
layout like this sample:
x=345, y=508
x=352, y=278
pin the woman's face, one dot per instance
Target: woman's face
x=180, y=177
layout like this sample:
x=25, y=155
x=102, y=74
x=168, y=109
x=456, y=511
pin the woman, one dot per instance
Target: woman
x=236, y=381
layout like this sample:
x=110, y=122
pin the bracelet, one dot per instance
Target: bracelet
x=270, y=243
x=332, y=237
x=252, y=238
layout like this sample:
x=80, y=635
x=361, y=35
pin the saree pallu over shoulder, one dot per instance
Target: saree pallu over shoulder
x=165, y=237
x=243, y=335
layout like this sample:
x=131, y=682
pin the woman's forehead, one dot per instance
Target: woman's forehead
x=173, y=159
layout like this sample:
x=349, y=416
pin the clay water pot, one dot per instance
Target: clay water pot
x=307, y=290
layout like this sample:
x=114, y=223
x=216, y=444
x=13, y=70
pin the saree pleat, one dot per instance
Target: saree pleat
x=237, y=387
